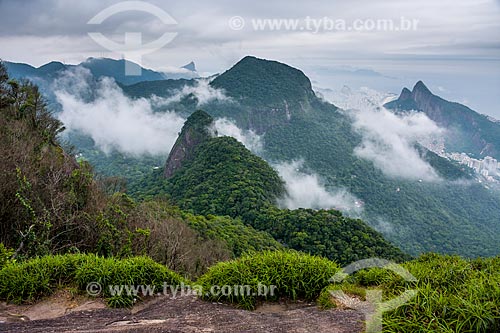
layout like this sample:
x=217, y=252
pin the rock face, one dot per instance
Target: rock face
x=196, y=129
x=188, y=314
x=468, y=131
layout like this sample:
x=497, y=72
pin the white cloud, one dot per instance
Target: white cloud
x=388, y=140
x=250, y=139
x=113, y=120
x=202, y=90
x=306, y=191
x=383, y=226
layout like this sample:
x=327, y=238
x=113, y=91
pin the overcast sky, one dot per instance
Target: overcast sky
x=455, y=47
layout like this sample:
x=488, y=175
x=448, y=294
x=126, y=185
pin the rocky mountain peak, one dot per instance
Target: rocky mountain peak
x=191, y=66
x=196, y=130
x=420, y=91
x=405, y=94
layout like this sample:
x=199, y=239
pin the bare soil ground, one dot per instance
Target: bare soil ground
x=64, y=312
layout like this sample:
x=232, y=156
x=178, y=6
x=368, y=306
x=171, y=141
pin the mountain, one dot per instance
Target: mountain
x=99, y=67
x=195, y=131
x=268, y=94
x=258, y=82
x=277, y=102
x=190, y=67
x=51, y=204
x=212, y=175
x=218, y=175
x=468, y=131
x=452, y=215
x=161, y=88
x=18, y=70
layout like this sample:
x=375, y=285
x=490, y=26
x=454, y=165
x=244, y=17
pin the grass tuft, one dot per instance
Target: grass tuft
x=28, y=281
x=295, y=275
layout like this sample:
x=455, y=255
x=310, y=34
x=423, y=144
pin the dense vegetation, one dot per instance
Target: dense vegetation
x=224, y=178
x=265, y=83
x=326, y=233
x=60, y=227
x=454, y=294
x=160, y=88
x=52, y=204
x=239, y=237
x=45, y=195
x=219, y=176
x=276, y=100
x=295, y=276
x=30, y=280
x=447, y=217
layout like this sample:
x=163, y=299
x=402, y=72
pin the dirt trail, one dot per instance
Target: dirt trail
x=186, y=314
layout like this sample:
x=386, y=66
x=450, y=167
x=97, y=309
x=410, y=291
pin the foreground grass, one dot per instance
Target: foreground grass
x=454, y=294
x=294, y=275
x=28, y=281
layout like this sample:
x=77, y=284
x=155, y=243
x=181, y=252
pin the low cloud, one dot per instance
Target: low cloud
x=305, y=190
x=388, y=139
x=201, y=90
x=389, y=142
x=383, y=226
x=114, y=121
x=250, y=139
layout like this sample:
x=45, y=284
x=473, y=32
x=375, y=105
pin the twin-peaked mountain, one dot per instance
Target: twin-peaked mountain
x=468, y=131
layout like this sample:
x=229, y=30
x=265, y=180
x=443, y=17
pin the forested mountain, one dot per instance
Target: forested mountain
x=443, y=216
x=469, y=131
x=52, y=204
x=161, y=88
x=210, y=175
x=452, y=214
x=196, y=130
x=62, y=229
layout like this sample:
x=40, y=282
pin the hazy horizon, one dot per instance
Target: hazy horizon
x=454, y=46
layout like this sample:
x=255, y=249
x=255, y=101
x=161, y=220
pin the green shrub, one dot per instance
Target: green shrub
x=295, y=275
x=454, y=294
x=5, y=255
x=134, y=271
x=30, y=280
